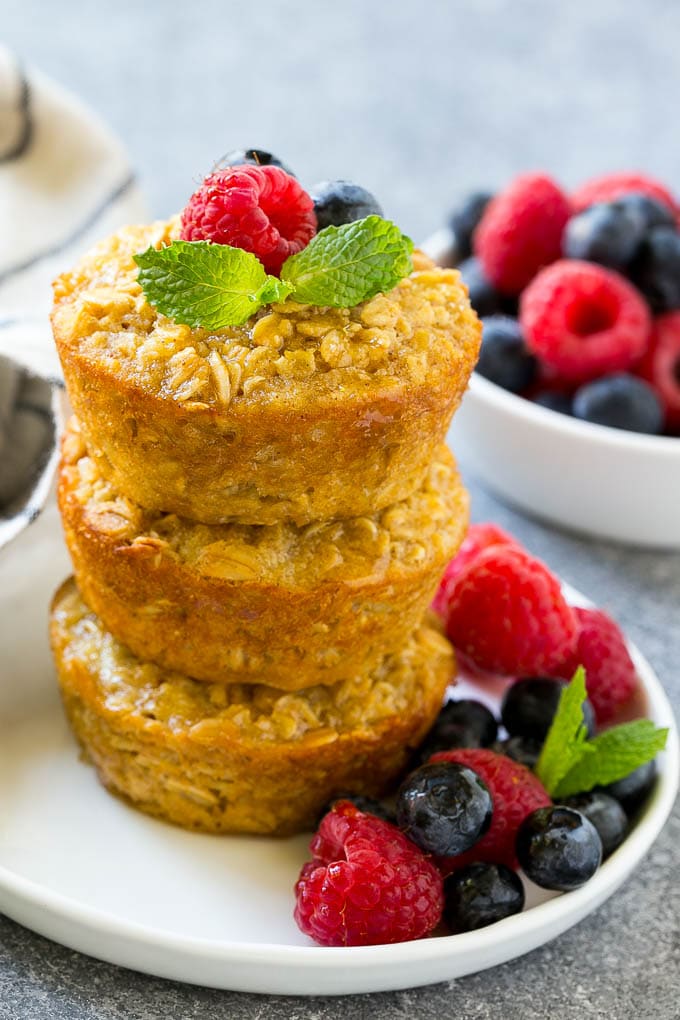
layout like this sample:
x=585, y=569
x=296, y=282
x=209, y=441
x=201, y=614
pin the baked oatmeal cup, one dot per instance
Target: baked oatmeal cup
x=278, y=604
x=303, y=413
x=240, y=758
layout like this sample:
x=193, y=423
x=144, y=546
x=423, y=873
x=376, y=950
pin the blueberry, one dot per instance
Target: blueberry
x=366, y=804
x=608, y=233
x=484, y=297
x=251, y=157
x=477, y=719
x=523, y=750
x=605, y=813
x=504, y=357
x=465, y=219
x=656, y=269
x=481, y=894
x=553, y=400
x=633, y=789
x=558, y=848
x=651, y=211
x=448, y=738
x=444, y=808
x=620, y=401
x=529, y=706
x=462, y=723
x=338, y=202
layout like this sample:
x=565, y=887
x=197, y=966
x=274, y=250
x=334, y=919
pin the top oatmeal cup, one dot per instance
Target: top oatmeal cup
x=302, y=413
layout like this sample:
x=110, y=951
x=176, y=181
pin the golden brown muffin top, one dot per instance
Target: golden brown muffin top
x=287, y=352
x=412, y=534
x=211, y=713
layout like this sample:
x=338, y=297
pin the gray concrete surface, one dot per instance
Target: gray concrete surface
x=418, y=101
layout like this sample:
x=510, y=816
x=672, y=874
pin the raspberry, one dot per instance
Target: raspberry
x=367, y=884
x=507, y=613
x=261, y=209
x=609, y=187
x=515, y=791
x=583, y=320
x=611, y=679
x=521, y=231
x=661, y=366
x=479, y=537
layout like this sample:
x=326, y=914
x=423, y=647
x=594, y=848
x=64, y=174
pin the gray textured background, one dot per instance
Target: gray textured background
x=418, y=101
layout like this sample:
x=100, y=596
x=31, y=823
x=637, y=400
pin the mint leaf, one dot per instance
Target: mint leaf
x=344, y=265
x=210, y=285
x=566, y=744
x=570, y=763
x=614, y=754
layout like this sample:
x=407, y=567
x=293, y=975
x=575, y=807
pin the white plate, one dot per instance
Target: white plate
x=81, y=868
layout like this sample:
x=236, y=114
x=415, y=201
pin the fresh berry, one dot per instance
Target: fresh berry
x=609, y=187
x=621, y=401
x=338, y=202
x=250, y=157
x=462, y=723
x=661, y=366
x=444, y=808
x=583, y=320
x=465, y=219
x=558, y=848
x=554, y=400
x=504, y=357
x=508, y=614
x=368, y=805
x=521, y=231
x=473, y=716
x=484, y=297
x=656, y=269
x=479, y=537
x=366, y=885
x=608, y=233
x=632, y=791
x=601, y=649
x=651, y=211
x=481, y=894
x=605, y=813
x=529, y=707
x=520, y=749
x=261, y=209
x=515, y=792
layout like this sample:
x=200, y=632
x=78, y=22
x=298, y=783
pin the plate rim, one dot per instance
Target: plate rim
x=20, y=897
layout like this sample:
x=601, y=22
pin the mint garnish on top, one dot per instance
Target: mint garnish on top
x=197, y=283
x=570, y=763
x=344, y=265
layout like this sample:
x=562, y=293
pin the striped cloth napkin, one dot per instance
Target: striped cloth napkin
x=65, y=182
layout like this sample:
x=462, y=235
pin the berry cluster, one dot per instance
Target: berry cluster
x=506, y=613
x=580, y=296
x=251, y=200
x=448, y=846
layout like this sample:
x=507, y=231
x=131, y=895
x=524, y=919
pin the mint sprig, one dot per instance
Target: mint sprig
x=344, y=265
x=210, y=285
x=569, y=763
x=614, y=754
x=566, y=743
x=197, y=283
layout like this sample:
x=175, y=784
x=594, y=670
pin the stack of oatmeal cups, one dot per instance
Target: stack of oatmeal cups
x=258, y=519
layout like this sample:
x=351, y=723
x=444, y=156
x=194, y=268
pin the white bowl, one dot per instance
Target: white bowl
x=607, y=482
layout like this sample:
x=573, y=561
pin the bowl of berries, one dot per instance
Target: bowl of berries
x=580, y=365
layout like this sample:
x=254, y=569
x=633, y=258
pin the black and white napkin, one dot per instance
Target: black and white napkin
x=65, y=182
